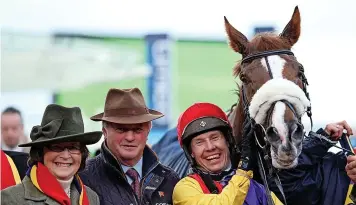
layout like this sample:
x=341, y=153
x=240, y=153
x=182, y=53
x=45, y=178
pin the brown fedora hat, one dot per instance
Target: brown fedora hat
x=126, y=106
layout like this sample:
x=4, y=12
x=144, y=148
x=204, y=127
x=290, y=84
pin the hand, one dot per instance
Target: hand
x=351, y=168
x=248, y=151
x=335, y=130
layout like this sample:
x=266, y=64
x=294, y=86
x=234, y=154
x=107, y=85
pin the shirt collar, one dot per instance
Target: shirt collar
x=6, y=148
x=137, y=167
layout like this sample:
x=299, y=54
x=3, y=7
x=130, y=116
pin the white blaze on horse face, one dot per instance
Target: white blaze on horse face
x=278, y=121
x=276, y=64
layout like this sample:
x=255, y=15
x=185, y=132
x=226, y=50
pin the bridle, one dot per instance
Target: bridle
x=250, y=126
x=291, y=107
x=260, y=138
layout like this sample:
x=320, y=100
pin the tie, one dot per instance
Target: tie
x=132, y=173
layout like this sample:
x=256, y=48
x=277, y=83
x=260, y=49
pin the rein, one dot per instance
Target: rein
x=248, y=127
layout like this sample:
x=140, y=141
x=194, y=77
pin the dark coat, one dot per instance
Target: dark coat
x=106, y=177
x=319, y=178
x=171, y=154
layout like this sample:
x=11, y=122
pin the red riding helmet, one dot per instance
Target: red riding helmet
x=200, y=118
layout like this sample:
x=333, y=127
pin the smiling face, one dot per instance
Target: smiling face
x=126, y=141
x=63, y=164
x=210, y=151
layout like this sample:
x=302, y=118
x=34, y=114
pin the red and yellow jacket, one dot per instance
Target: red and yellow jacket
x=9, y=173
x=189, y=191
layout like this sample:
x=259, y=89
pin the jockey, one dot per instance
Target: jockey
x=205, y=135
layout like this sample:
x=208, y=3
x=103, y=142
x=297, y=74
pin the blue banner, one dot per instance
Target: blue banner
x=158, y=57
x=262, y=29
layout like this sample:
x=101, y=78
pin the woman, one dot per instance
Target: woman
x=58, y=152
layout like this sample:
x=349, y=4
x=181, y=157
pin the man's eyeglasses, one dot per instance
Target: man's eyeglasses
x=71, y=149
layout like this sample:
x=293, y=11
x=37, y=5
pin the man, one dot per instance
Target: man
x=12, y=130
x=127, y=171
x=206, y=138
x=13, y=158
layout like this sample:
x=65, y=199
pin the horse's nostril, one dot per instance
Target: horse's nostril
x=272, y=130
x=272, y=133
x=298, y=131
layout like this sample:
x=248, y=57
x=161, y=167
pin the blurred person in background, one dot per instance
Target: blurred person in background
x=12, y=130
x=58, y=152
x=13, y=158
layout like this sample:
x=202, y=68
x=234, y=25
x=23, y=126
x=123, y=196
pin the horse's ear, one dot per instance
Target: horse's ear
x=292, y=30
x=237, y=41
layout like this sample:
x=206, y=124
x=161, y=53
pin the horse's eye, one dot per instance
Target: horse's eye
x=243, y=78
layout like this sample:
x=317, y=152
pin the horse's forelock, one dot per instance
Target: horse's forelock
x=267, y=42
x=263, y=42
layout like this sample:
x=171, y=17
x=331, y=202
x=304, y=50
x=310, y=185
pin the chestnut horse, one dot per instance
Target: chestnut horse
x=273, y=96
x=272, y=100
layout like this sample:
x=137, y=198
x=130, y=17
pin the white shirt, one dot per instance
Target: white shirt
x=65, y=184
x=6, y=148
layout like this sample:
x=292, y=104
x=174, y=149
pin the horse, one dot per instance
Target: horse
x=272, y=99
x=273, y=91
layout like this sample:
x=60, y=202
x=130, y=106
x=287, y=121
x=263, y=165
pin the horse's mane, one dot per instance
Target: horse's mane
x=263, y=42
